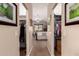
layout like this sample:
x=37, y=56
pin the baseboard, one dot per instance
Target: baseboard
x=49, y=50
x=30, y=51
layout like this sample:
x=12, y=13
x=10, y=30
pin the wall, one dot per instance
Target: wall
x=29, y=29
x=50, y=35
x=22, y=9
x=9, y=40
x=70, y=38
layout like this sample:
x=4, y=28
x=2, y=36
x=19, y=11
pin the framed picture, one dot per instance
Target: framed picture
x=71, y=13
x=8, y=14
x=38, y=27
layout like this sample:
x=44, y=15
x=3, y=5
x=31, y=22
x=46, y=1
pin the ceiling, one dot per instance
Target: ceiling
x=39, y=11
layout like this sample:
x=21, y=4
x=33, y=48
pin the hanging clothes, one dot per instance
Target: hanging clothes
x=22, y=36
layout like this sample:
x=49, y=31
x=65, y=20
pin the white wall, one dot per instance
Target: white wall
x=9, y=40
x=57, y=9
x=50, y=42
x=70, y=38
x=22, y=9
x=29, y=29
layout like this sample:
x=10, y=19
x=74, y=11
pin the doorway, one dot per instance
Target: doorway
x=22, y=37
x=22, y=29
x=57, y=30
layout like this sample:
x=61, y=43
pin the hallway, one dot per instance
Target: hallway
x=39, y=48
x=39, y=25
x=39, y=29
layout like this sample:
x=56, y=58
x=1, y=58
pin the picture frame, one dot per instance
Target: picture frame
x=38, y=27
x=71, y=13
x=8, y=14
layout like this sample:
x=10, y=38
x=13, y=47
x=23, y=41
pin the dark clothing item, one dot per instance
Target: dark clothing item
x=22, y=37
x=22, y=31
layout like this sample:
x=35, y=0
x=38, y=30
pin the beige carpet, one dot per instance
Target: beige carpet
x=40, y=51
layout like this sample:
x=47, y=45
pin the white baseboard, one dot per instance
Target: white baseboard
x=49, y=50
x=30, y=51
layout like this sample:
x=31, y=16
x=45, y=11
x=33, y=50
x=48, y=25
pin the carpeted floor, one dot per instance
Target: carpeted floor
x=40, y=51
